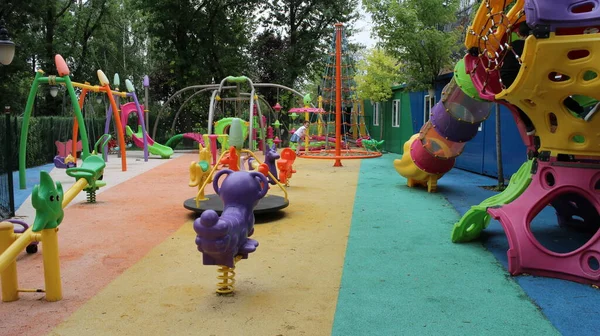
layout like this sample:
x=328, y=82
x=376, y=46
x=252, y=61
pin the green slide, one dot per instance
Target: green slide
x=153, y=147
x=476, y=219
x=174, y=141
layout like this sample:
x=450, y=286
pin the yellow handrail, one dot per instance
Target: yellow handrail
x=199, y=197
x=96, y=88
x=73, y=191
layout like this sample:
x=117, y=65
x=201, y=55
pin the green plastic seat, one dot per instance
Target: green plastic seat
x=205, y=166
x=91, y=169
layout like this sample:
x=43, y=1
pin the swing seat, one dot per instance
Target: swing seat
x=65, y=148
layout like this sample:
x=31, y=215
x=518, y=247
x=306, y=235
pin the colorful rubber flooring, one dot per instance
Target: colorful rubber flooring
x=355, y=253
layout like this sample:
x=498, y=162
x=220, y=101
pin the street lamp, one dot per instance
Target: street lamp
x=7, y=47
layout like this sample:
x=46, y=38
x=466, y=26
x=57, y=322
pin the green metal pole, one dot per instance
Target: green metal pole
x=27, y=115
x=25, y=129
x=85, y=147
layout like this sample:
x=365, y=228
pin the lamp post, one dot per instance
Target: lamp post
x=7, y=47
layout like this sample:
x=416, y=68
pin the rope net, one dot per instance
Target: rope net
x=490, y=39
x=353, y=126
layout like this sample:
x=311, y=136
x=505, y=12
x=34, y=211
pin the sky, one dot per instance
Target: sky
x=364, y=25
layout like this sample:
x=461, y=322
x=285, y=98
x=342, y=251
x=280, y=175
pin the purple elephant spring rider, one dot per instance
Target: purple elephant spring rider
x=224, y=240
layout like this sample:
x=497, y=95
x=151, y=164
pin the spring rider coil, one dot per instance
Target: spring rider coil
x=225, y=240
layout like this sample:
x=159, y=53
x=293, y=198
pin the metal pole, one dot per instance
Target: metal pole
x=338, y=93
x=499, y=149
x=8, y=153
x=146, y=84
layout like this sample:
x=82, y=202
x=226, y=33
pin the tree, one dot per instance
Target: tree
x=377, y=73
x=192, y=42
x=307, y=27
x=418, y=32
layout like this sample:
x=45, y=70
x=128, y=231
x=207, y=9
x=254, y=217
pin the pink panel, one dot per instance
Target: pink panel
x=487, y=83
x=526, y=254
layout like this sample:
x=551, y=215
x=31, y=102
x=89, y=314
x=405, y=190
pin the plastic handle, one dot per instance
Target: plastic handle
x=102, y=142
x=239, y=79
x=217, y=176
x=78, y=173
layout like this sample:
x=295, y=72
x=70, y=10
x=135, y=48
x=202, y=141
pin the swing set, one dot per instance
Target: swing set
x=79, y=123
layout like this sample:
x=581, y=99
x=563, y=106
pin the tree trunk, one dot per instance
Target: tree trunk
x=499, y=149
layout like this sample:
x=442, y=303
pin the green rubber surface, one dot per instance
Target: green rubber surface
x=403, y=276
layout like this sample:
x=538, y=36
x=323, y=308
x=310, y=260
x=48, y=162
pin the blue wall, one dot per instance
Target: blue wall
x=514, y=152
x=479, y=154
x=416, y=108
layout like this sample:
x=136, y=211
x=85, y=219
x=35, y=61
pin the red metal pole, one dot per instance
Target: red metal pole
x=338, y=94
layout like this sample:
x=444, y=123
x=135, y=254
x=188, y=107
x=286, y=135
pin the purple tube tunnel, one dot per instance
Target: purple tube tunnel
x=454, y=121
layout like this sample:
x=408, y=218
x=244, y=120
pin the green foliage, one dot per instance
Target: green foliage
x=193, y=42
x=307, y=29
x=176, y=42
x=376, y=76
x=43, y=132
x=419, y=33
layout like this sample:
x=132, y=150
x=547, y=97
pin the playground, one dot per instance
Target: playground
x=260, y=219
x=130, y=265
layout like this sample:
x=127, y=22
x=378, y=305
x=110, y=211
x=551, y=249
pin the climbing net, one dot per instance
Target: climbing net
x=490, y=36
x=353, y=120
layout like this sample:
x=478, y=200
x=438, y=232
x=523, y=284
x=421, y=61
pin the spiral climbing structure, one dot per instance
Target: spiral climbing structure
x=454, y=120
x=558, y=89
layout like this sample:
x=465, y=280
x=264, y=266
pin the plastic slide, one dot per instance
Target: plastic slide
x=176, y=139
x=153, y=147
x=432, y=152
x=476, y=219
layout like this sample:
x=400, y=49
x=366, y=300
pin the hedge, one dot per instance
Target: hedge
x=43, y=132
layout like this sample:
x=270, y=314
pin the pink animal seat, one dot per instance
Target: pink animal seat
x=65, y=148
x=552, y=181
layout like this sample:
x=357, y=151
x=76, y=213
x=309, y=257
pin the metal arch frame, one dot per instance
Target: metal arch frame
x=216, y=87
x=204, y=90
x=184, y=103
x=175, y=95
